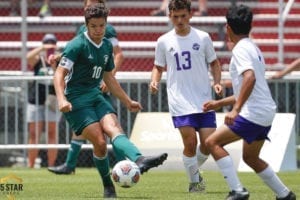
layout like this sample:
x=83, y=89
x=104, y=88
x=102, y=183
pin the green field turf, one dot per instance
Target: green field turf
x=39, y=184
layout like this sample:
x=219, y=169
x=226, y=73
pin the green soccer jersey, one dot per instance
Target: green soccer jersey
x=86, y=62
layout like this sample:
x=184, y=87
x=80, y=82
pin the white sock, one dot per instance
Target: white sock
x=201, y=158
x=191, y=168
x=272, y=180
x=227, y=169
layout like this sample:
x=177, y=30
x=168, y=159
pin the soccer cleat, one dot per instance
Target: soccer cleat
x=235, y=195
x=62, y=169
x=290, y=196
x=147, y=162
x=109, y=192
x=197, y=187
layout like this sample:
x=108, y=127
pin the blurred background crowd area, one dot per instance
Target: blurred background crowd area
x=137, y=37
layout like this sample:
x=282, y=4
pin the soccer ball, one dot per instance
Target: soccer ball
x=126, y=173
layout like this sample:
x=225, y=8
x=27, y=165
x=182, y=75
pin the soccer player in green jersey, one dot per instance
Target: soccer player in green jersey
x=86, y=60
x=68, y=167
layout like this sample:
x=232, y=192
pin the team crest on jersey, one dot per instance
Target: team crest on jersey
x=105, y=59
x=196, y=46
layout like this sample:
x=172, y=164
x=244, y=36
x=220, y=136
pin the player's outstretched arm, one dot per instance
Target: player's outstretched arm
x=115, y=88
x=295, y=65
x=217, y=104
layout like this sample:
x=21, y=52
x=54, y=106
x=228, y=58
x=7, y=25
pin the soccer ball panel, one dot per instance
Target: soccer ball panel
x=126, y=173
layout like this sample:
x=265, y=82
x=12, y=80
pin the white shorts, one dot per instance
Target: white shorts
x=37, y=113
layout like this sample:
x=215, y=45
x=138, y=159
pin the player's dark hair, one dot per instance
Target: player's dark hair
x=97, y=10
x=97, y=1
x=239, y=18
x=179, y=4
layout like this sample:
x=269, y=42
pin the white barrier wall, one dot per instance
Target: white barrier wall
x=154, y=133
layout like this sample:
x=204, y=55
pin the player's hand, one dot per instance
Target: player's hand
x=230, y=117
x=64, y=106
x=134, y=106
x=103, y=87
x=277, y=75
x=153, y=87
x=218, y=89
x=211, y=105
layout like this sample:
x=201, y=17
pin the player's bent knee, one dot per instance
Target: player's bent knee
x=250, y=160
x=100, y=151
x=209, y=143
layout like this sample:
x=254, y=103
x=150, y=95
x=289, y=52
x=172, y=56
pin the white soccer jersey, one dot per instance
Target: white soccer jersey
x=186, y=59
x=260, y=107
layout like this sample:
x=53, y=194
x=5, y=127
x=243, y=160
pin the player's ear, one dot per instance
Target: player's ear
x=227, y=26
x=228, y=29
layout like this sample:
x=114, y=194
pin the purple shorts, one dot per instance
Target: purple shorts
x=249, y=131
x=197, y=120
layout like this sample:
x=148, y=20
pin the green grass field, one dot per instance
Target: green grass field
x=39, y=184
